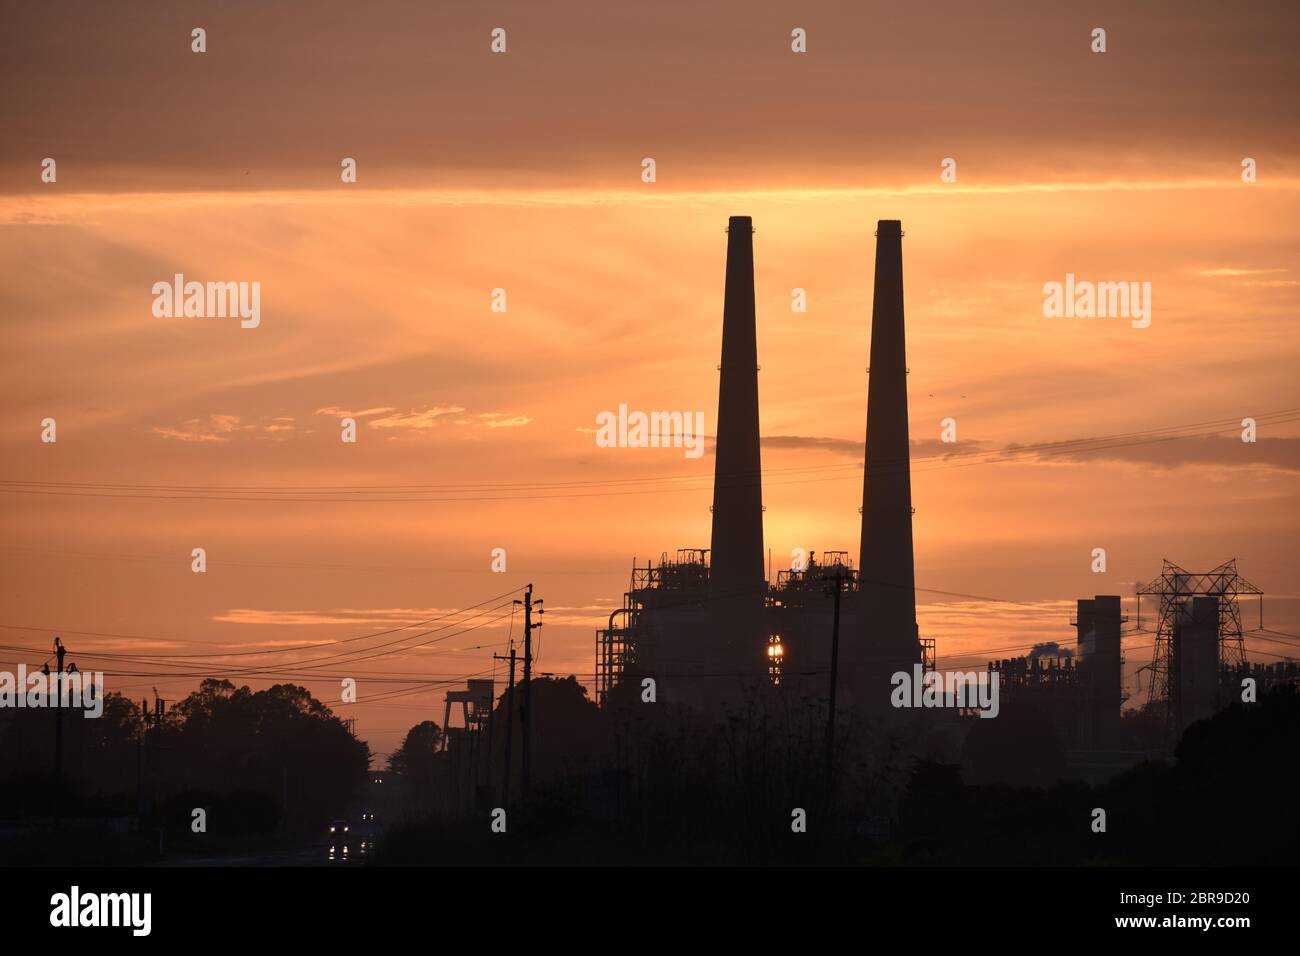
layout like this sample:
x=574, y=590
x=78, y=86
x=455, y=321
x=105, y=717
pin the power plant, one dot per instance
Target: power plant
x=707, y=624
x=714, y=633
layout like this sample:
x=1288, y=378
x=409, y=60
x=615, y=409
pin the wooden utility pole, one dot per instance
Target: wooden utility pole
x=510, y=725
x=139, y=757
x=148, y=721
x=60, y=652
x=55, y=687
x=526, y=712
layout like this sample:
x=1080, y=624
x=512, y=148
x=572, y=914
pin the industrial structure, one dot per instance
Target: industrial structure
x=463, y=746
x=475, y=709
x=886, y=620
x=1200, y=649
x=706, y=624
x=714, y=633
x=729, y=659
x=1198, y=663
x=1080, y=689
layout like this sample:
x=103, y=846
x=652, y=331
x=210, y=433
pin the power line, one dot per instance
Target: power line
x=306, y=646
x=296, y=668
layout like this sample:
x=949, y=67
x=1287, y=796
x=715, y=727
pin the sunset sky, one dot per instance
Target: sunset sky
x=522, y=171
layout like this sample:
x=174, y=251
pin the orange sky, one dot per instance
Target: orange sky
x=522, y=172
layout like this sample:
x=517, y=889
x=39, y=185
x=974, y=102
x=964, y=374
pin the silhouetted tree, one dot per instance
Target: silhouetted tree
x=280, y=740
x=567, y=730
x=1232, y=793
x=416, y=760
x=420, y=744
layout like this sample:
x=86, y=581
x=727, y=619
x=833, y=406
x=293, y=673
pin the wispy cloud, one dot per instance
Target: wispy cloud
x=1230, y=452
x=190, y=431
x=419, y=420
x=1277, y=453
x=852, y=448
x=343, y=413
x=422, y=420
x=223, y=428
x=496, y=420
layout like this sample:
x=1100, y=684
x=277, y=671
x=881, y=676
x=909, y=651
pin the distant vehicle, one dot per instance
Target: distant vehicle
x=340, y=841
x=367, y=817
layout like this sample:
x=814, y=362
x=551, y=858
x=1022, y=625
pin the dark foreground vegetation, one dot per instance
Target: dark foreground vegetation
x=671, y=795
x=632, y=784
x=267, y=768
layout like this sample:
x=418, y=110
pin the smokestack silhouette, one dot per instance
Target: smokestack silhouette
x=736, y=581
x=888, y=586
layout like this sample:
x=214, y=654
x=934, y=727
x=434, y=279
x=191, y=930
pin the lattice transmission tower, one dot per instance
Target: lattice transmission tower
x=1176, y=587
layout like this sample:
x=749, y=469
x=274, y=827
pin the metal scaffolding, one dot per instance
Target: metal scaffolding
x=813, y=576
x=672, y=582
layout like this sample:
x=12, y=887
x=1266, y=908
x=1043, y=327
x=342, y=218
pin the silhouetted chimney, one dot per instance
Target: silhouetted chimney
x=1196, y=660
x=887, y=612
x=736, y=581
x=1099, y=664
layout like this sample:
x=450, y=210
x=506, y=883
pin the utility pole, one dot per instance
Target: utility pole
x=60, y=651
x=837, y=586
x=526, y=712
x=139, y=758
x=491, y=723
x=148, y=721
x=56, y=688
x=510, y=725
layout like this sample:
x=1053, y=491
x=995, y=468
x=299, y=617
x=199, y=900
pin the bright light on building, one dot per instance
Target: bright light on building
x=775, y=655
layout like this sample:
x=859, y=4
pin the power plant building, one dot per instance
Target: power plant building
x=706, y=624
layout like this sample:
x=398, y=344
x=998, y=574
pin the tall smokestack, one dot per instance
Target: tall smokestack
x=1196, y=659
x=1099, y=664
x=888, y=592
x=736, y=581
